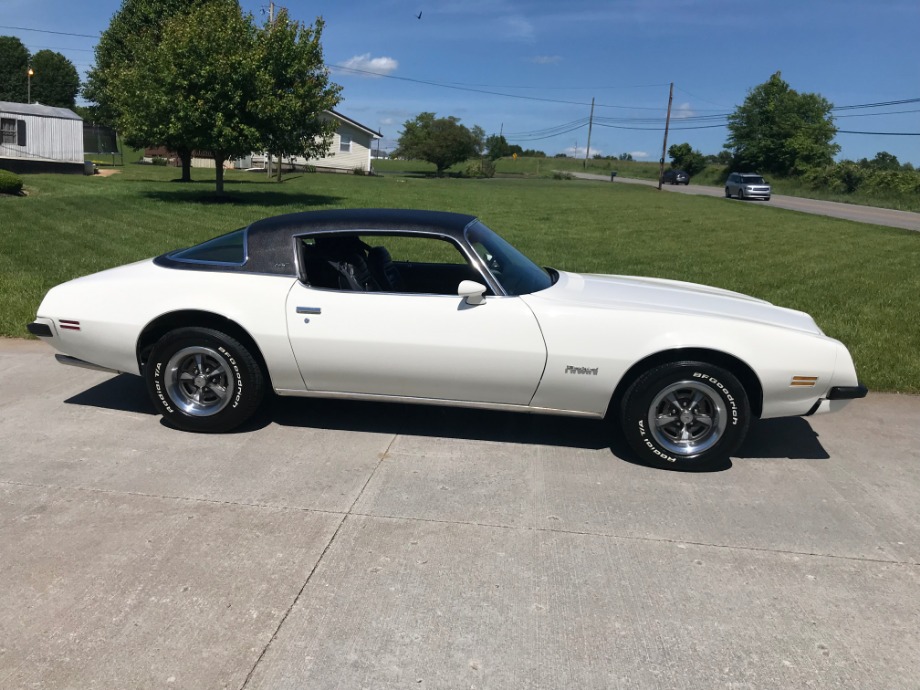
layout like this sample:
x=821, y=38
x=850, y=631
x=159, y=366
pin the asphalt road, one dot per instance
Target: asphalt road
x=357, y=545
x=860, y=214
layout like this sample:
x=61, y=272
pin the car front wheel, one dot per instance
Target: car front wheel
x=728, y=194
x=685, y=415
x=203, y=380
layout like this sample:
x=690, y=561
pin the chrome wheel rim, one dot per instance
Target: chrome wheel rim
x=687, y=418
x=199, y=381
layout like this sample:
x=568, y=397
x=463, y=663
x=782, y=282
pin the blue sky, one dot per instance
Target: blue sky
x=531, y=68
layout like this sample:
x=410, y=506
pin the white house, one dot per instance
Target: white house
x=40, y=138
x=351, y=149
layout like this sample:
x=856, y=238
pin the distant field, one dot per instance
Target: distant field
x=530, y=167
x=713, y=176
x=860, y=282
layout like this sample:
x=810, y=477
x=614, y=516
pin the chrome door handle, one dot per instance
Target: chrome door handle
x=309, y=310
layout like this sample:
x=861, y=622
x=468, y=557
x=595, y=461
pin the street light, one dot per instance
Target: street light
x=30, y=73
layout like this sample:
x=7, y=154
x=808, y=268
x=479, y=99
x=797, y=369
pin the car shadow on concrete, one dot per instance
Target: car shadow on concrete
x=123, y=392
x=788, y=438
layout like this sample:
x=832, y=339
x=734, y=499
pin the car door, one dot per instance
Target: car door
x=433, y=346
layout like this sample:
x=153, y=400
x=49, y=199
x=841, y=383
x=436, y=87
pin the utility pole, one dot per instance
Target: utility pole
x=268, y=154
x=664, y=146
x=590, y=125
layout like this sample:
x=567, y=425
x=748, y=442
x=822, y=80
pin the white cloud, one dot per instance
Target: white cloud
x=683, y=110
x=519, y=27
x=639, y=154
x=546, y=59
x=580, y=151
x=377, y=65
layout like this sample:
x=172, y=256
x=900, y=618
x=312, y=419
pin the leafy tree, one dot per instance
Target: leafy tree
x=442, y=141
x=55, y=81
x=194, y=85
x=87, y=112
x=782, y=131
x=882, y=161
x=136, y=27
x=14, y=67
x=294, y=90
x=684, y=157
x=625, y=157
x=532, y=153
x=497, y=147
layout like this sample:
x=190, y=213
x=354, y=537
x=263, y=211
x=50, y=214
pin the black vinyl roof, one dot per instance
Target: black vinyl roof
x=269, y=241
x=381, y=219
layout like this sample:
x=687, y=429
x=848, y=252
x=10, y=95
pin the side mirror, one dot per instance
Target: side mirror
x=472, y=291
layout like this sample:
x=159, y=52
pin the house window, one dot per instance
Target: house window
x=344, y=143
x=7, y=131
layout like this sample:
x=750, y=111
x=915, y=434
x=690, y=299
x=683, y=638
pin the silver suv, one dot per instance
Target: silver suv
x=747, y=186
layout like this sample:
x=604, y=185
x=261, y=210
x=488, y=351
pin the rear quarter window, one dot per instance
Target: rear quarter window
x=229, y=249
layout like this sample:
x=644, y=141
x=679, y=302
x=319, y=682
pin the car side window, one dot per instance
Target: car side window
x=418, y=264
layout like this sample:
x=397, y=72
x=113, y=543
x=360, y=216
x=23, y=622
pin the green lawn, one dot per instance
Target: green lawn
x=860, y=282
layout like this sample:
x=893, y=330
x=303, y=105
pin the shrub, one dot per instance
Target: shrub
x=158, y=160
x=559, y=175
x=479, y=168
x=848, y=177
x=358, y=170
x=10, y=183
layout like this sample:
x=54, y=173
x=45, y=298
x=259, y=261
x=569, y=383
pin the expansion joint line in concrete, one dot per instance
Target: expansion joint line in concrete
x=319, y=560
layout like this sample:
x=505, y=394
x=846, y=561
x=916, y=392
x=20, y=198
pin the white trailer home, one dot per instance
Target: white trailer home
x=40, y=138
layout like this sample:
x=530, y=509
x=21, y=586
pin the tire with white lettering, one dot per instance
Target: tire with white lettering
x=203, y=380
x=685, y=415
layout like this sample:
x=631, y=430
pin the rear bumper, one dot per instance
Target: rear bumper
x=42, y=330
x=847, y=392
x=837, y=398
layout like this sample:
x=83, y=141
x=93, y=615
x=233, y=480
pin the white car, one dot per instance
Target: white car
x=432, y=307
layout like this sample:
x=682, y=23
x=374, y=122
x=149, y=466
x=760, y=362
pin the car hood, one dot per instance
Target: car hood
x=670, y=296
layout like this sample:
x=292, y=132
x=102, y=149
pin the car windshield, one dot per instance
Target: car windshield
x=516, y=273
x=752, y=179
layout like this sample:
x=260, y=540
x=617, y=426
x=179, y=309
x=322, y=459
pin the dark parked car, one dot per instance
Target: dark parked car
x=747, y=186
x=675, y=177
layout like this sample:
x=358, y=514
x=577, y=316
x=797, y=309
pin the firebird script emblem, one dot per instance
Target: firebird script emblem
x=581, y=370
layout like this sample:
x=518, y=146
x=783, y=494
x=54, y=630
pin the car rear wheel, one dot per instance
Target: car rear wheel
x=685, y=415
x=203, y=380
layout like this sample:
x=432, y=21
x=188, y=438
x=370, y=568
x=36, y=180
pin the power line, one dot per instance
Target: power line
x=81, y=50
x=46, y=31
x=881, y=134
x=890, y=112
x=446, y=85
x=546, y=130
x=877, y=105
x=549, y=136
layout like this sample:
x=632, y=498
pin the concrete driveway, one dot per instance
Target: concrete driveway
x=861, y=214
x=347, y=545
